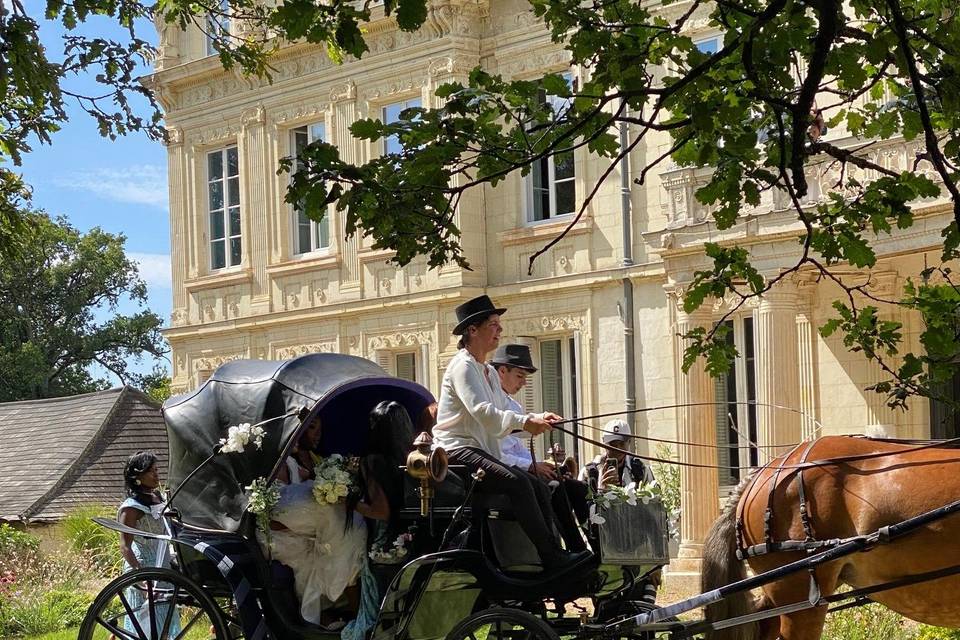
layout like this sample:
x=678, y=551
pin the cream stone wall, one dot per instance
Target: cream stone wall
x=349, y=298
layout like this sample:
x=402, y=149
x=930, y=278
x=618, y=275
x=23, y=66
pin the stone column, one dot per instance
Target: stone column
x=699, y=501
x=257, y=172
x=778, y=371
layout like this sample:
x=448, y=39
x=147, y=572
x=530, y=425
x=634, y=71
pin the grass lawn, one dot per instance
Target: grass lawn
x=71, y=634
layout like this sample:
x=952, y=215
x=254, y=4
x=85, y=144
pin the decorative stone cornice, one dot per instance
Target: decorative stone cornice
x=213, y=135
x=305, y=112
x=408, y=84
x=214, y=362
x=451, y=65
x=536, y=325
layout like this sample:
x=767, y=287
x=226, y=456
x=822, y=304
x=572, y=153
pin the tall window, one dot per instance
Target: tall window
x=736, y=415
x=223, y=191
x=308, y=235
x=218, y=25
x=391, y=113
x=552, y=179
x=554, y=387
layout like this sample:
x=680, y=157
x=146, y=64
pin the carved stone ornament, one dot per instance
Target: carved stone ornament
x=343, y=92
x=410, y=84
x=178, y=317
x=295, y=351
x=451, y=66
x=213, y=362
x=535, y=64
x=536, y=325
x=173, y=136
x=214, y=135
x=255, y=116
x=398, y=340
x=301, y=113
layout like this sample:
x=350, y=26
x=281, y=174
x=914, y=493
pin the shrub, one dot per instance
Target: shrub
x=14, y=542
x=937, y=633
x=35, y=611
x=85, y=536
x=869, y=622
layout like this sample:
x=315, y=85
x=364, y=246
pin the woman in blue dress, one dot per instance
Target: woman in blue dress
x=142, y=510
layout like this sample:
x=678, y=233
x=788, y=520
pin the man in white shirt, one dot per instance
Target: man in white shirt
x=514, y=364
x=473, y=416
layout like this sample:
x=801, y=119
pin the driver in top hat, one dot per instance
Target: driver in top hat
x=616, y=467
x=473, y=416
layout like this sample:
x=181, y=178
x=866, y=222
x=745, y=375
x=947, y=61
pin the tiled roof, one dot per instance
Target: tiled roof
x=59, y=453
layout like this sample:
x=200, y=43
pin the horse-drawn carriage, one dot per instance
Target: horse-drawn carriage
x=470, y=566
x=801, y=522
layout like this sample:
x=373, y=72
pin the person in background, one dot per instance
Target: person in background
x=615, y=467
x=142, y=510
x=514, y=364
x=472, y=418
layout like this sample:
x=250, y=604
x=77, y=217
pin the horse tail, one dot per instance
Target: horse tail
x=721, y=567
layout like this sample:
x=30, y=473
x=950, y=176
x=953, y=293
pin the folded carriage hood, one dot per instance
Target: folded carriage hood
x=341, y=388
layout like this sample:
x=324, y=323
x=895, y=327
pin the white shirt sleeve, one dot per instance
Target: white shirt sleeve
x=514, y=453
x=476, y=395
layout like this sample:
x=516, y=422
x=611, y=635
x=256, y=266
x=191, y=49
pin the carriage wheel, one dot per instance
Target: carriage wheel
x=502, y=624
x=153, y=604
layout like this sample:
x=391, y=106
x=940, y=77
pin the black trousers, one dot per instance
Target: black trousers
x=530, y=497
x=563, y=510
x=577, y=494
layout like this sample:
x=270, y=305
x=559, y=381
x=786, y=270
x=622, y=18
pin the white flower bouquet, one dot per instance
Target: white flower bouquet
x=394, y=554
x=240, y=436
x=336, y=479
x=632, y=494
x=262, y=498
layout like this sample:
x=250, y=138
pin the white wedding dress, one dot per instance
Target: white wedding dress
x=325, y=555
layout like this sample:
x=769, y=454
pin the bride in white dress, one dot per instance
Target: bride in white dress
x=325, y=552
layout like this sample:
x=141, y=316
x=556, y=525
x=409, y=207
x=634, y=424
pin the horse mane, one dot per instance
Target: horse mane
x=721, y=567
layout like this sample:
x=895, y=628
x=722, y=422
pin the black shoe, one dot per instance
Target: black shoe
x=564, y=559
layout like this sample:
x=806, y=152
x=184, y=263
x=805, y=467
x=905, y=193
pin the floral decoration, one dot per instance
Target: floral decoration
x=394, y=554
x=336, y=479
x=240, y=436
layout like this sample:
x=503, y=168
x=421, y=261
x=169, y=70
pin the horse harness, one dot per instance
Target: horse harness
x=810, y=543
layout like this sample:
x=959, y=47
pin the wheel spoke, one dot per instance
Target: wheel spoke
x=186, y=627
x=152, y=611
x=130, y=614
x=171, y=611
x=115, y=630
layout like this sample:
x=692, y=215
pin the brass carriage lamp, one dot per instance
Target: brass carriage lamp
x=429, y=466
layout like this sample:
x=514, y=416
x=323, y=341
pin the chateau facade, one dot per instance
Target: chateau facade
x=252, y=278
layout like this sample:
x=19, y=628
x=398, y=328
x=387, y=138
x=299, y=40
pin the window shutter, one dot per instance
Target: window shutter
x=407, y=366
x=423, y=363
x=382, y=358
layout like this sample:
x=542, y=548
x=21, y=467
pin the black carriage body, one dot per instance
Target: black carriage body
x=214, y=537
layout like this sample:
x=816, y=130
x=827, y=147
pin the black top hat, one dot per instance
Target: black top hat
x=473, y=310
x=513, y=355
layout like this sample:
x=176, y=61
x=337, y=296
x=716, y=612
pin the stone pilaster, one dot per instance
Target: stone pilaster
x=778, y=372
x=695, y=425
x=179, y=229
x=260, y=226
x=342, y=114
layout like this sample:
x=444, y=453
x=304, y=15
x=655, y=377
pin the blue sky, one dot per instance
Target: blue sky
x=120, y=186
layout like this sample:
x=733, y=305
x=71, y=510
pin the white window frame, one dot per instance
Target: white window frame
x=387, y=359
x=747, y=453
x=559, y=104
x=219, y=24
x=408, y=103
x=717, y=38
x=316, y=228
x=224, y=211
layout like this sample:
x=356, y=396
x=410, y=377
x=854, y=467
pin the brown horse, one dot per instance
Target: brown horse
x=878, y=484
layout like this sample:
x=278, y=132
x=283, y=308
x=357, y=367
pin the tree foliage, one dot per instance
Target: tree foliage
x=750, y=111
x=54, y=291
